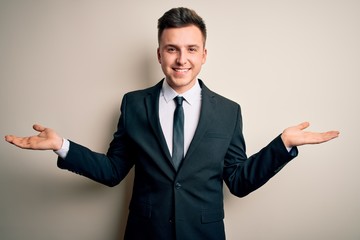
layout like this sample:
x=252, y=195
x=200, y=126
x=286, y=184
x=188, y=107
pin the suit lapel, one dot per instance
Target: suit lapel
x=152, y=108
x=206, y=116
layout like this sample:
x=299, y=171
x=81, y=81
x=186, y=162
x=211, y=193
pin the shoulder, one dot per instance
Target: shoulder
x=215, y=97
x=143, y=93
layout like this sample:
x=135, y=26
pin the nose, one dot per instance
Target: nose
x=181, y=58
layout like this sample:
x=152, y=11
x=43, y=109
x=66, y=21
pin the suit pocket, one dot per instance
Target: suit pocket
x=216, y=135
x=212, y=215
x=140, y=209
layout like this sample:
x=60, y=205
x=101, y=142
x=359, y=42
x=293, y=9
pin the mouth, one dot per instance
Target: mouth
x=181, y=70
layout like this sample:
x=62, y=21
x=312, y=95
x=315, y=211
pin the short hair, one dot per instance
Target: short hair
x=180, y=17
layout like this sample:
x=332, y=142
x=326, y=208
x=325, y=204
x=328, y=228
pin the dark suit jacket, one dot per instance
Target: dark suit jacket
x=186, y=204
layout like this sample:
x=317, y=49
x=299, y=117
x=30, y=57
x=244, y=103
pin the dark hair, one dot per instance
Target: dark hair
x=180, y=17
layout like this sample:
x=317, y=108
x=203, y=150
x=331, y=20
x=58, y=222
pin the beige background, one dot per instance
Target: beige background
x=67, y=64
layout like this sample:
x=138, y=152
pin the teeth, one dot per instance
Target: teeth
x=181, y=70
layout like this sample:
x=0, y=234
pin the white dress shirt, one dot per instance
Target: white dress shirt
x=192, y=107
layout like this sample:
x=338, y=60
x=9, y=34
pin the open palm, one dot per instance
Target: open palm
x=296, y=136
x=47, y=139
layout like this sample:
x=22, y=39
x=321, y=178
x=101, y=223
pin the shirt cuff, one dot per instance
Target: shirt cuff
x=63, y=151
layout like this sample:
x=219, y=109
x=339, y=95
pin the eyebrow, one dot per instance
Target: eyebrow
x=176, y=46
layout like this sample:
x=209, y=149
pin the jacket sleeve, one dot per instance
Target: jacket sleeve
x=243, y=175
x=109, y=168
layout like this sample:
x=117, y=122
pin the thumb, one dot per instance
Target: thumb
x=38, y=127
x=303, y=125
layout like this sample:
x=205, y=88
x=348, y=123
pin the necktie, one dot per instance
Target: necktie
x=178, y=132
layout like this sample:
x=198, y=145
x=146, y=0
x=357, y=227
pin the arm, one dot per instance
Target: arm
x=108, y=169
x=244, y=175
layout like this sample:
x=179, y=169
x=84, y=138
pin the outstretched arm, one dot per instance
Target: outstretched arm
x=47, y=139
x=296, y=136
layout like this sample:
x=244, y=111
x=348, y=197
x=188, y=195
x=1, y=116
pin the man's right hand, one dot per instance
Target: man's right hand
x=47, y=139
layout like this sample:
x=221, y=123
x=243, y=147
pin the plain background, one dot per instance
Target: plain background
x=67, y=64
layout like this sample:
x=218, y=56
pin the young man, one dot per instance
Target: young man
x=178, y=198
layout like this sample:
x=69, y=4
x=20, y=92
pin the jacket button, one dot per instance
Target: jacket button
x=177, y=185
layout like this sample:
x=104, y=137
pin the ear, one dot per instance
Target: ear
x=158, y=55
x=204, y=56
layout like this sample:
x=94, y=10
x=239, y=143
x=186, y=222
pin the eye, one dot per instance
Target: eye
x=171, y=49
x=192, y=49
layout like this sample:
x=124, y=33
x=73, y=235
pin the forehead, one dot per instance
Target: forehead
x=189, y=35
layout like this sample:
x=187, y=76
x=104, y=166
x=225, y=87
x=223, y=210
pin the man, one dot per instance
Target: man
x=181, y=162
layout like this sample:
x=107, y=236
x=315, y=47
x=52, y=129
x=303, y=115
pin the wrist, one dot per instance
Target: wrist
x=63, y=151
x=58, y=144
x=286, y=141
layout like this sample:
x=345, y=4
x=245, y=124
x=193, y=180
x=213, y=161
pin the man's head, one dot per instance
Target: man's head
x=181, y=17
x=181, y=52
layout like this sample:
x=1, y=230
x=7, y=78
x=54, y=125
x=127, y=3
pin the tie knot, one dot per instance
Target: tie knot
x=179, y=100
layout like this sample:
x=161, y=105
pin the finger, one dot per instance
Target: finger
x=303, y=125
x=316, y=138
x=9, y=138
x=38, y=127
x=328, y=135
x=20, y=142
x=331, y=135
x=12, y=139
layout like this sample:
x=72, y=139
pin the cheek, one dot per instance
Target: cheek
x=165, y=65
x=166, y=61
x=203, y=60
x=199, y=61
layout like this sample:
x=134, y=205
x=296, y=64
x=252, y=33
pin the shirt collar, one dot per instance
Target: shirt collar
x=190, y=95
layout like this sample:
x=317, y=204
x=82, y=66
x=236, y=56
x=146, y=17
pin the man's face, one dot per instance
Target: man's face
x=181, y=54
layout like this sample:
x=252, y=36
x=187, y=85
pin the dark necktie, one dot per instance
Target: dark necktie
x=178, y=133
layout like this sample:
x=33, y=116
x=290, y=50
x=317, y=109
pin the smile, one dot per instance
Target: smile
x=181, y=69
